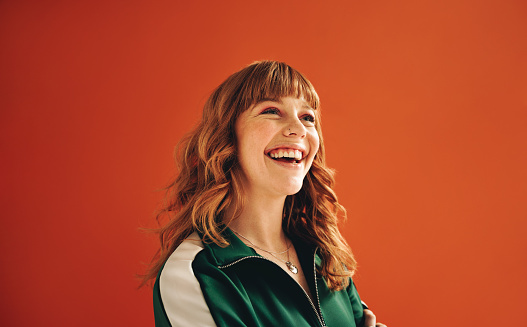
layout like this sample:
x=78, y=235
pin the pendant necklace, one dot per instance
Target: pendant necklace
x=292, y=268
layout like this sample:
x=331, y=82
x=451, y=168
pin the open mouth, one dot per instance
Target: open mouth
x=286, y=155
x=288, y=160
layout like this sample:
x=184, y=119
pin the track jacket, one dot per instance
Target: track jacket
x=202, y=284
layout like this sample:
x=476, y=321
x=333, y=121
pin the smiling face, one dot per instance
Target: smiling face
x=276, y=143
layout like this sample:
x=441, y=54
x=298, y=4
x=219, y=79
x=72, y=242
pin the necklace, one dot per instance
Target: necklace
x=259, y=248
x=288, y=263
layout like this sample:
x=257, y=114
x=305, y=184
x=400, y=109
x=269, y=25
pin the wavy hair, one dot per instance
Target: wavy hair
x=209, y=175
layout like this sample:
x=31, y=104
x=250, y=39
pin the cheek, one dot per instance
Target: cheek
x=314, y=142
x=253, y=139
x=259, y=134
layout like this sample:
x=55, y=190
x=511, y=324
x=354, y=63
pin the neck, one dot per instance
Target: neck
x=260, y=220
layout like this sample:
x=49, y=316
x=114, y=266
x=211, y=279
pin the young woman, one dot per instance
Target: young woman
x=252, y=238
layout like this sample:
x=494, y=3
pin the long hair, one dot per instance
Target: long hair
x=209, y=175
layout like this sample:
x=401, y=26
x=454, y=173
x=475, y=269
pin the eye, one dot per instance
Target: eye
x=310, y=118
x=270, y=111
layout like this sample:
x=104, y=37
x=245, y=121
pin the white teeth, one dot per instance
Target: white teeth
x=293, y=154
x=298, y=155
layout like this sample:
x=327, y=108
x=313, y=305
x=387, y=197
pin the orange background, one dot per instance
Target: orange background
x=424, y=117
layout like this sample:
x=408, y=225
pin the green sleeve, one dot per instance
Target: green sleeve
x=356, y=304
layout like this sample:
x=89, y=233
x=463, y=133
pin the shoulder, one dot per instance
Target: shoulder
x=179, y=289
x=185, y=252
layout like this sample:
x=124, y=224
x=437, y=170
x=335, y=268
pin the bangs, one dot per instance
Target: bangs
x=274, y=80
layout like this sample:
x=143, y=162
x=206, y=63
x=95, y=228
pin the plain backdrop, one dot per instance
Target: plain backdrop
x=424, y=113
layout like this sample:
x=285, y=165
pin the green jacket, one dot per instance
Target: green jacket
x=206, y=285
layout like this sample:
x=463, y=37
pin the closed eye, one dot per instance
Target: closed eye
x=270, y=111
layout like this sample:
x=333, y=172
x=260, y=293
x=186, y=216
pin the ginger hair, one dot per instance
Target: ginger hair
x=209, y=181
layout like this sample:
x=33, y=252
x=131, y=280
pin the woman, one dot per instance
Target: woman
x=252, y=238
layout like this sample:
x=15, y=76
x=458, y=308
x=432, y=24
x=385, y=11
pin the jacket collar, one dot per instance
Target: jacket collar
x=237, y=249
x=232, y=252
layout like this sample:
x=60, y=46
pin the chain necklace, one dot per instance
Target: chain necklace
x=259, y=248
x=288, y=263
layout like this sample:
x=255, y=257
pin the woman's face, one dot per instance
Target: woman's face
x=276, y=142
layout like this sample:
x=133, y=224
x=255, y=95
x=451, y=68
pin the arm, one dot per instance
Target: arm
x=178, y=299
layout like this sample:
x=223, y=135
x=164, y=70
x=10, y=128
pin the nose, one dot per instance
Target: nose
x=295, y=128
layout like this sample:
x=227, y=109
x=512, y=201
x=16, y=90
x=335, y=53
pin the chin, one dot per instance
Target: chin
x=291, y=189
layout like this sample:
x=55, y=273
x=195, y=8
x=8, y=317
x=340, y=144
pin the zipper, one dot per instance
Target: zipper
x=316, y=286
x=319, y=315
